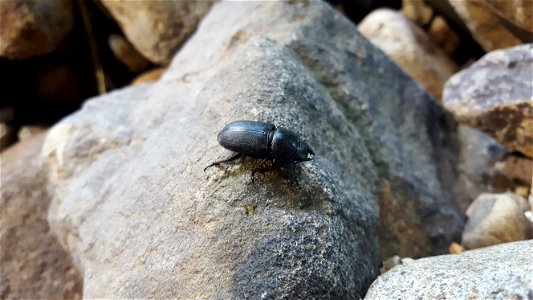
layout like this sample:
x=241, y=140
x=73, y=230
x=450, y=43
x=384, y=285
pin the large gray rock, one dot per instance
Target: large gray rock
x=499, y=272
x=142, y=220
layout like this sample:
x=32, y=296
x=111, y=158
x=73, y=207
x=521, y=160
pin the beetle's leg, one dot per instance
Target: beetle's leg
x=261, y=169
x=231, y=158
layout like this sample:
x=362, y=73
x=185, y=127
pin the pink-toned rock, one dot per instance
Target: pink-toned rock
x=32, y=28
x=33, y=265
x=494, y=95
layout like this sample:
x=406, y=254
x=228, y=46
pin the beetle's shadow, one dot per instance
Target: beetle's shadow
x=285, y=172
x=259, y=170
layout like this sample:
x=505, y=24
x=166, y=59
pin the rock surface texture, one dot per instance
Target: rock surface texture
x=31, y=28
x=495, y=95
x=157, y=28
x=499, y=272
x=33, y=265
x=410, y=48
x=130, y=200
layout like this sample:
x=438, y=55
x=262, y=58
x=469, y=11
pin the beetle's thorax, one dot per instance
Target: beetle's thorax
x=284, y=145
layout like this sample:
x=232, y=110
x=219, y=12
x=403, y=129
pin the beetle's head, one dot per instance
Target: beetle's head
x=305, y=153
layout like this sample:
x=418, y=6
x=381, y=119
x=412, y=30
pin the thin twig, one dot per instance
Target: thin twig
x=98, y=69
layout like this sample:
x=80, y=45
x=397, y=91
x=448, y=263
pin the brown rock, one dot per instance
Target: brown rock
x=29, y=131
x=514, y=172
x=494, y=95
x=530, y=198
x=33, y=265
x=495, y=219
x=157, y=28
x=438, y=30
x=519, y=12
x=417, y=11
x=149, y=76
x=127, y=54
x=7, y=135
x=409, y=47
x=31, y=28
x=7, y=129
x=456, y=248
x=529, y=214
x=443, y=36
x=484, y=25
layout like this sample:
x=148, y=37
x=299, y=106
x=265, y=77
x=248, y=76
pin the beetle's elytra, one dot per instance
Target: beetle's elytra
x=262, y=140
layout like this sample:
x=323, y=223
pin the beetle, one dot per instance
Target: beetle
x=262, y=140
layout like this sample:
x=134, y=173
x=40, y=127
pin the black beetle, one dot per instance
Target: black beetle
x=262, y=140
